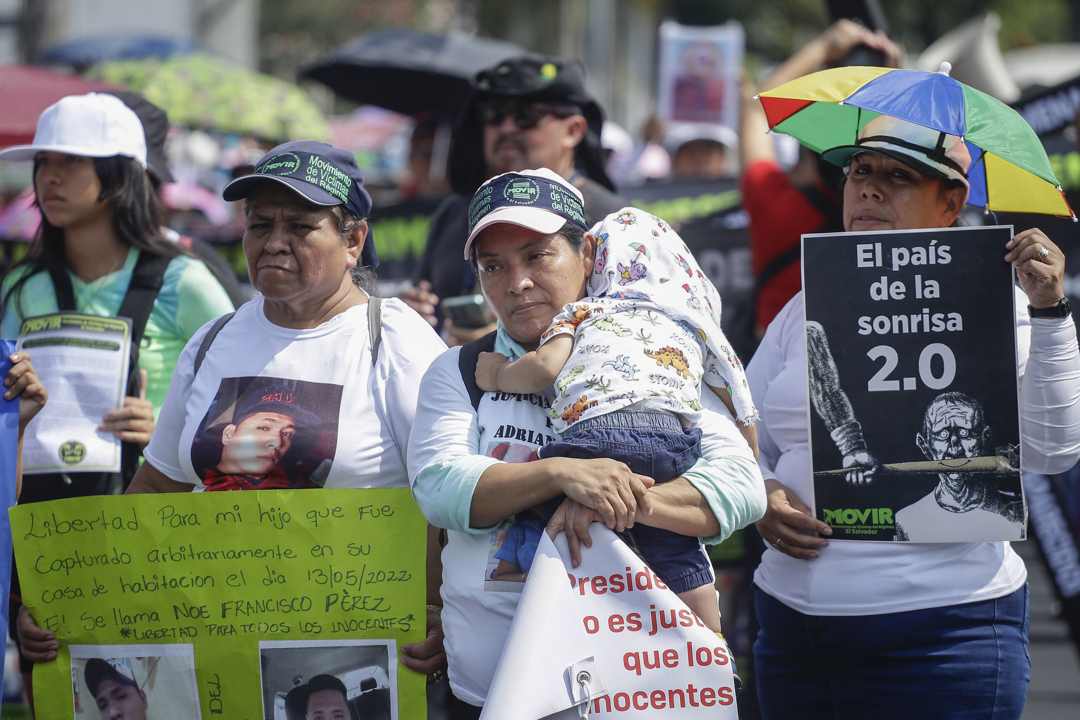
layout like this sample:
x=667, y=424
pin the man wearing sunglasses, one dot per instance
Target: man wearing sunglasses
x=525, y=113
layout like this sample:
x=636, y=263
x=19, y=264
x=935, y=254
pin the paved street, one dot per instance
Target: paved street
x=1054, y=693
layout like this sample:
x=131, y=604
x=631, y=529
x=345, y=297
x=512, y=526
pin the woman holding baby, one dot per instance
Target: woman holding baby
x=470, y=452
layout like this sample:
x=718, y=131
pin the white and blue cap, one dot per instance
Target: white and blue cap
x=320, y=173
x=539, y=200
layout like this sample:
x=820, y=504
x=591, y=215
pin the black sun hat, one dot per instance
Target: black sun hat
x=532, y=78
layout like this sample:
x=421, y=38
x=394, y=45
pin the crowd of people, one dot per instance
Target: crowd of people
x=229, y=398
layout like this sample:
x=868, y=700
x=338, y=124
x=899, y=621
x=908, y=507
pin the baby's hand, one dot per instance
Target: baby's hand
x=487, y=367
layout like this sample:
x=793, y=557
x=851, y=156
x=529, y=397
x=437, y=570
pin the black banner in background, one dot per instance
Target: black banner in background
x=400, y=232
x=910, y=349
x=708, y=215
x=1056, y=537
x=1065, y=233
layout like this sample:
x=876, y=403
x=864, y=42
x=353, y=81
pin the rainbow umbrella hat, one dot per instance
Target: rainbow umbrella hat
x=1009, y=172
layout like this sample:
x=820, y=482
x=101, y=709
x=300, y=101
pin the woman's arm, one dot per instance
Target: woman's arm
x=606, y=486
x=1049, y=359
x=149, y=479
x=787, y=524
x=459, y=488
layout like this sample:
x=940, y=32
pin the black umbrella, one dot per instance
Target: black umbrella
x=407, y=71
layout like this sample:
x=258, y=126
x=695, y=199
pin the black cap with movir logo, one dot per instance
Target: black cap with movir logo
x=538, y=200
x=320, y=173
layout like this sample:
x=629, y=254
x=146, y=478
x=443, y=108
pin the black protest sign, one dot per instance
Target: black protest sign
x=914, y=418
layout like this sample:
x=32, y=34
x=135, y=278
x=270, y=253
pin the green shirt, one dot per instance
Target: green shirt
x=190, y=297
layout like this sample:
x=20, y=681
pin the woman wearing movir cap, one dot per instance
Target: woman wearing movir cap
x=99, y=230
x=473, y=455
x=854, y=629
x=309, y=384
x=636, y=401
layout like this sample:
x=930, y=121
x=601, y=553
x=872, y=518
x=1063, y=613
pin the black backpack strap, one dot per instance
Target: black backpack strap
x=374, y=317
x=65, y=292
x=828, y=207
x=470, y=353
x=778, y=264
x=146, y=281
x=834, y=222
x=208, y=340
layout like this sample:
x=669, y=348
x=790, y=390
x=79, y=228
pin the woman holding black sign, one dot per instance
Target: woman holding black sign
x=875, y=630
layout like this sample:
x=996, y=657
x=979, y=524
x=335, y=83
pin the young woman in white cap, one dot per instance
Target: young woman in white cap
x=98, y=222
x=853, y=629
x=99, y=238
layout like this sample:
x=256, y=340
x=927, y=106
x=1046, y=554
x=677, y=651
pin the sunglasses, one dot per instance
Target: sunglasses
x=526, y=116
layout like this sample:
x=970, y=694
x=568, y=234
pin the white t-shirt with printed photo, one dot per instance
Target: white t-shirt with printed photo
x=351, y=419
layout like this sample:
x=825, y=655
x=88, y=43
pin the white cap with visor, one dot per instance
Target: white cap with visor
x=539, y=200
x=92, y=125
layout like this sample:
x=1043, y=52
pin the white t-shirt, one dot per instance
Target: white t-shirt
x=285, y=394
x=478, y=611
x=866, y=578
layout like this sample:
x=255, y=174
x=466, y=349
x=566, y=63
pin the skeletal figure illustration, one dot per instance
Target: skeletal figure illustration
x=833, y=407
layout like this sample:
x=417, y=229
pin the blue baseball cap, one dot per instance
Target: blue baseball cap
x=276, y=399
x=539, y=200
x=320, y=173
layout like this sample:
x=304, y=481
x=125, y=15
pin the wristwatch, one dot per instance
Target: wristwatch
x=1061, y=310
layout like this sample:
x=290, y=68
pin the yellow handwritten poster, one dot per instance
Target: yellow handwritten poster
x=248, y=605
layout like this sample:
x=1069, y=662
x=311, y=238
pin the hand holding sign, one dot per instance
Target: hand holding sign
x=22, y=382
x=134, y=422
x=1041, y=273
x=788, y=523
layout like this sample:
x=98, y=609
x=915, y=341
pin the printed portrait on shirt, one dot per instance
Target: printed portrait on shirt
x=264, y=433
x=511, y=549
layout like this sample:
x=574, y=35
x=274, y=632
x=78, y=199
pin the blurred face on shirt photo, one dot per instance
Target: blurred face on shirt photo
x=256, y=445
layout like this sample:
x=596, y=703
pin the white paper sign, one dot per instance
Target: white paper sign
x=83, y=361
x=610, y=631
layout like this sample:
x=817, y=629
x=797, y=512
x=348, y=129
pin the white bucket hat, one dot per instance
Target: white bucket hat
x=93, y=125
